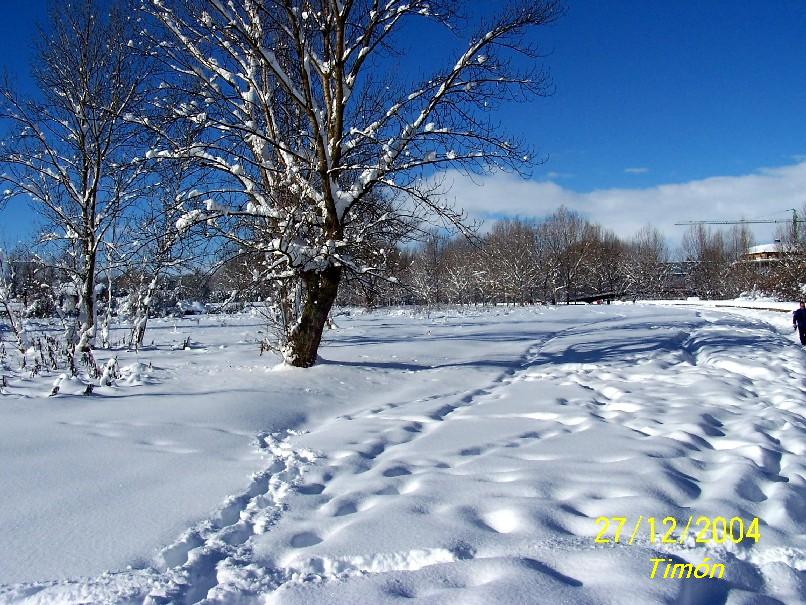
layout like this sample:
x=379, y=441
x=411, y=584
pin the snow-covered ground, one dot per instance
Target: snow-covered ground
x=761, y=303
x=461, y=457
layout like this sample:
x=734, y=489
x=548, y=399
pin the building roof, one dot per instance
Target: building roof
x=764, y=248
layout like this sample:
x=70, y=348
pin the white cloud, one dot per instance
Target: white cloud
x=553, y=176
x=637, y=170
x=766, y=193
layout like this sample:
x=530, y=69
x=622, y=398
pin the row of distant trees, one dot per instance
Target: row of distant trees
x=566, y=258
x=563, y=258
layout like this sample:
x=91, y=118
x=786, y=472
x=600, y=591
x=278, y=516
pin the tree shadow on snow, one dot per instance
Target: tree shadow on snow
x=397, y=337
x=418, y=367
x=594, y=344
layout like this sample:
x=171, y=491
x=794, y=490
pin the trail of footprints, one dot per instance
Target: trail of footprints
x=722, y=461
x=212, y=559
x=718, y=462
x=193, y=565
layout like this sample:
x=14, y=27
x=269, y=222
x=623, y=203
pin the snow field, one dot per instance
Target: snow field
x=106, y=481
x=466, y=458
x=629, y=416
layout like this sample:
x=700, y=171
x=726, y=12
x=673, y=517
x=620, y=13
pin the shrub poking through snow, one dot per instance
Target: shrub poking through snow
x=110, y=373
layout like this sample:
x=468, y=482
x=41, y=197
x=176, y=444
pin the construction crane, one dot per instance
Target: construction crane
x=793, y=221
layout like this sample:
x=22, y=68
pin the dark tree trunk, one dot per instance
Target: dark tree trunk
x=320, y=290
x=87, y=310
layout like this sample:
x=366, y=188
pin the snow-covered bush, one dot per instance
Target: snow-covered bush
x=192, y=307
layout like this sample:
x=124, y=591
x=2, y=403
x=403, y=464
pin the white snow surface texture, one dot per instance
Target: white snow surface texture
x=458, y=457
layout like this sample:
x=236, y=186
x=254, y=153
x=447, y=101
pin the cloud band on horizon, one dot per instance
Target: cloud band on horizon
x=767, y=193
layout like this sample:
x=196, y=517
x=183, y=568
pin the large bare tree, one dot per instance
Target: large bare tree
x=299, y=109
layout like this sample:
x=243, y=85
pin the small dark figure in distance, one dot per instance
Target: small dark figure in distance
x=799, y=322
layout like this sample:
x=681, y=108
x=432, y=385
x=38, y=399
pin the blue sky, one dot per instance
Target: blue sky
x=683, y=89
x=700, y=96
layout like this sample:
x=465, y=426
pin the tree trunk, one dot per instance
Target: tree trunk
x=141, y=319
x=320, y=290
x=107, y=319
x=87, y=308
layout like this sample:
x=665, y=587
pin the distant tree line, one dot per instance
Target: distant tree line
x=566, y=258
x=561, y=259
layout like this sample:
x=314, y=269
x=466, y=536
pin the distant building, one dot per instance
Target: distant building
x=764, y=254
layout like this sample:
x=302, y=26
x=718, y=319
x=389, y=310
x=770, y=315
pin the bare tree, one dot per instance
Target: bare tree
x=706, y=255
x=427, y=271
x=646, y=265
x=71, y=151
x=511, y=261
x=564, y=240
x=605, y=267
x=787, y=277
x=463, y=265
x=10, y=310
x=301, y=114
x=157, y=248
x=742, y=276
